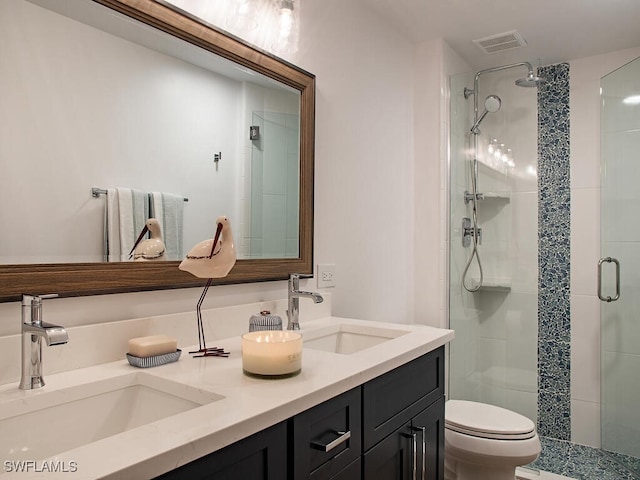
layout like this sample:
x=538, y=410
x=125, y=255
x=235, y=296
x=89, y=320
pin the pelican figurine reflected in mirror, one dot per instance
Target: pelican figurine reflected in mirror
x=151, y=248
x=213, y=258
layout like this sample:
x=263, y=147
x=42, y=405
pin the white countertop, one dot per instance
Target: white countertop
x=248, y=404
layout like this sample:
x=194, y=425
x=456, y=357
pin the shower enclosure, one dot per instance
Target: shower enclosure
x=274, y=210
x=493, y=239
x=620, y=242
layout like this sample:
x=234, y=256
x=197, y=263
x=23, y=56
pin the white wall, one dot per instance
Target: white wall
x=364, y=170
x=434, y=62
x=585, y=77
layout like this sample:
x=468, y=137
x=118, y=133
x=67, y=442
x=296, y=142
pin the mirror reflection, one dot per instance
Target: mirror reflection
x=106, y=122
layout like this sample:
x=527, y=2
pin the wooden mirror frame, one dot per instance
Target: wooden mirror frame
x=75, y=279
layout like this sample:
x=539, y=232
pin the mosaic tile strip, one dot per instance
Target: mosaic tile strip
x=581, y=462
x=554, y=197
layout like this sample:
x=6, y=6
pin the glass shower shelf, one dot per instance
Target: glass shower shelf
x=496, y=197
x=496, y=284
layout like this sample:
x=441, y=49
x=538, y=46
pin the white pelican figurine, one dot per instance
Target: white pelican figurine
x=213, y=258
x=152, y=248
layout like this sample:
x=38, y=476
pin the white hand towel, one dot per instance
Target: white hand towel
x=127, y=212
x=168, y=209
x=112, y=227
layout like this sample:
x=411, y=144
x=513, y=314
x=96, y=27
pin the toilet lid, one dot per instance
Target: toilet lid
x=487, y=421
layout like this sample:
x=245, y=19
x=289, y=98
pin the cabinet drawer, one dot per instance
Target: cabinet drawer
x=392, y=399
x=327, y=438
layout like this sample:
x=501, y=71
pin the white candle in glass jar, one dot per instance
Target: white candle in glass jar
x=272, y=352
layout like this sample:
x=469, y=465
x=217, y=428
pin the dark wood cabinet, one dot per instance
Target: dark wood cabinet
x=393, y=399
x=352, y=472
x=415, y=450
x=385, y=429
x=262, y=456
x=429, y=427
x=391, y=458
x=403, y=421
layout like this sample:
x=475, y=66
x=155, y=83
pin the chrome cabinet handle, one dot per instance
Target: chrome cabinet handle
x=343, y=437
x=423, y=432
x=617, y=264
x=414, y=454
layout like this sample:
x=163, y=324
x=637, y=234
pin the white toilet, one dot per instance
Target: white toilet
x=485, y=442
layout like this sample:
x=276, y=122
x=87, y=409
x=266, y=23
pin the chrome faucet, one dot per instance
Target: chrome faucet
x=295, y=294
x=33, y=331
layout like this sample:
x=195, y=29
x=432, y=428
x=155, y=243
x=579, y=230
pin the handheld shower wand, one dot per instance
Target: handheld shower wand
x=491, y=105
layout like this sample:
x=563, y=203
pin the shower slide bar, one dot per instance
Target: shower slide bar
x=617, y=264
x=96, y=192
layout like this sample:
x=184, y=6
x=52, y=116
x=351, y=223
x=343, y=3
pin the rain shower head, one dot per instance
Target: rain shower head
x=491, y=105
x=531, y=80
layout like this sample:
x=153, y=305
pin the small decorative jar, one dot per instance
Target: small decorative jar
x=265, y=321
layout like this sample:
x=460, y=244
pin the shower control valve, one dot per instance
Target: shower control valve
x=468, y=196
x=469, y=232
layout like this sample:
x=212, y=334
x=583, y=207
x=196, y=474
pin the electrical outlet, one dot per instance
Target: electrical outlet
x=326, y=275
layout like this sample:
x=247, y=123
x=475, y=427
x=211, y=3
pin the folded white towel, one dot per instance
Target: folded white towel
x=127, y=212
x=112, y=227
x=168, y=209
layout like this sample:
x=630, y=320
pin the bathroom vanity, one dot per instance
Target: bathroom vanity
x=368, y=403
x=387, y=428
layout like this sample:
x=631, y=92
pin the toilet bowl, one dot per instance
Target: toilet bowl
x=485, y=442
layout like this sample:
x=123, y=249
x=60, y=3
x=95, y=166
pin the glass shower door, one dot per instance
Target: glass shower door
x=620, y=240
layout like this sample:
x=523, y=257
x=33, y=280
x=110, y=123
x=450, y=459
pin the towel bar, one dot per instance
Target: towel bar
x=96, y=192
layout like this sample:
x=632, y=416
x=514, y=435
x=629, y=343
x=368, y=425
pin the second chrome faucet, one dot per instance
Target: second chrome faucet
x=295, y=294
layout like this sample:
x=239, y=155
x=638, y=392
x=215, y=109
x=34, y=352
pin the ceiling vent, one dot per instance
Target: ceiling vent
x=501, y=42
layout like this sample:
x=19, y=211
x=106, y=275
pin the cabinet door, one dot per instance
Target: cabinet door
x=414, y=451
x=392, y=458
x=394, y=398
x=263, y=456
x=429, y=427
x=352, y=472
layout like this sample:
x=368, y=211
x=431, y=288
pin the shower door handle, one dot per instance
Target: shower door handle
x=617, y=264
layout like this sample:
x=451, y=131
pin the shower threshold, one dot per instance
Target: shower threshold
x=523, y=473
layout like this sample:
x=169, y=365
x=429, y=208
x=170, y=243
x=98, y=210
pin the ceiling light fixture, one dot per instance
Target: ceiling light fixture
x=286, y=41
x=244, y=17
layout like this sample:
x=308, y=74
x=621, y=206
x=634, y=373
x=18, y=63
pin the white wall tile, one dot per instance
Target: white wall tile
x=492, y=361
x=522, y=342
x=585, y=240
x=585, y=423
x=620, y=413
x=492, y=313
x=524, y=403
x=585, y=348
x=524, y=241
x=620, y=328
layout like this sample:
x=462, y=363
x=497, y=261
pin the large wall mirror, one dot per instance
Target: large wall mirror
x=108, y=101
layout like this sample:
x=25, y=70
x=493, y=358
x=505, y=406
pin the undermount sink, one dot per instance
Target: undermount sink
x=52, y=422
x=346, y=338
